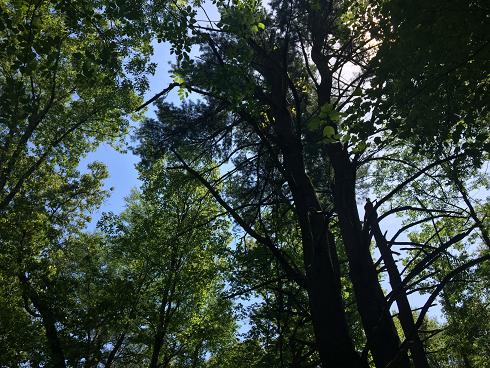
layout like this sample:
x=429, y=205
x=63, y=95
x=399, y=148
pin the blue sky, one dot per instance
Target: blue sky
x=122, y=172
x=121, y=165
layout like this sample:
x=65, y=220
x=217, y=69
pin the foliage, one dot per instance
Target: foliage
x=306, y=110
x=64, y=86
x=150, y=279
x=438, y=96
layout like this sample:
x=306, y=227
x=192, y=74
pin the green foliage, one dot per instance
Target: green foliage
x=35, y=246
x=273, y=142
x=462, y=339
x=438, y=96
x=150, y=277
x=66, y=86
x=265, y=110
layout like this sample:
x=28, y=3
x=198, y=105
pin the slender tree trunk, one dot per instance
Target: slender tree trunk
x=112, y=354
x=381, y=333
x=49, y=323
x=155, y=352
x=404, y=310
x=161, y=329
x=165, y=310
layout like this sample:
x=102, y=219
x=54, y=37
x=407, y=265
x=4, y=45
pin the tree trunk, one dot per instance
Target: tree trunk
x=381, y=333
x=320, y=259
x=49, y=323
x=383, y=339
x=404, y=310
x=157, y=346
x=323, y=283
x=112, y=354
x=165, y=309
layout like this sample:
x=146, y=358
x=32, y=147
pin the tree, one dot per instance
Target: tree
x=306, y=114
x=143, y=290
x=285, y=103
x=68, y=80
x=169, y=246
x=287, y=157
x=34, y=238
x=438, y=91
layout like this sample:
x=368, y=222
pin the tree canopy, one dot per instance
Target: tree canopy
x=319, y=188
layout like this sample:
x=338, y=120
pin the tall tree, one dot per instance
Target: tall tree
x=285, y=103
x=145, y=290
x=35, y=235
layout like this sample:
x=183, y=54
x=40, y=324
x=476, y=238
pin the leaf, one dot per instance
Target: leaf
x=360, y=147
x=328, y=131
x=315, y=123
x=334, y=116
x=261, y=26
x=177, y=78
x=326, y=109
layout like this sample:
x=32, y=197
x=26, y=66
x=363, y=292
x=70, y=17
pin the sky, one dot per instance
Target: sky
x=123, y=176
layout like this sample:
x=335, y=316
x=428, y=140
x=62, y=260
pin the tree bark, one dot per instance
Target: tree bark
x=416, y=347
x=320, y=259
x=49, y=323
x=383, y=339
x=323, y=279
x=381, y=333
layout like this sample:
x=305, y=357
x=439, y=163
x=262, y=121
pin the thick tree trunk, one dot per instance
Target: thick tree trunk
x=327, y=306
x=404, y=310
x=323, y=282
x=382, y=336
x=321, y=265
x=383, y=339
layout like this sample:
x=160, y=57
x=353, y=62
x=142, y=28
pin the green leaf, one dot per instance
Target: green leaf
x=177, y=78
x=325, y=110
x=315, y=123
x=334, y=116
x=328, y=131
x=360, y=147
x=261, y=26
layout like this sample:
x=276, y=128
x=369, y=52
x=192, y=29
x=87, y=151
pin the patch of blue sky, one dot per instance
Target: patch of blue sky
x=123, y=176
